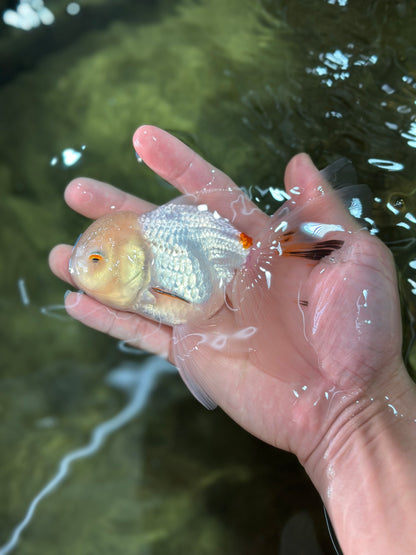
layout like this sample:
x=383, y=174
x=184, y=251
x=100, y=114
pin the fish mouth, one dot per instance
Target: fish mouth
x=76, y=267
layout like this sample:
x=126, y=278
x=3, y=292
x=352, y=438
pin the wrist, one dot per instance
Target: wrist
x=364, y=466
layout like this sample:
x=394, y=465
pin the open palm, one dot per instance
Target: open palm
x=298, y=340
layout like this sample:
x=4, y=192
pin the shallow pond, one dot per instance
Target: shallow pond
x=86, y=467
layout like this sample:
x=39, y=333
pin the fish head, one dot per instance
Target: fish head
x=110, y=261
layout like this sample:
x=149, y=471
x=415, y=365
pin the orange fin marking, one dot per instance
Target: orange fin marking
x=245, y=240
x=168, y=294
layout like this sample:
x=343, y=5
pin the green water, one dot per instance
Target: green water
x=247, y=84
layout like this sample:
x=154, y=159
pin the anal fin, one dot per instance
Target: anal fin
x=186, y=357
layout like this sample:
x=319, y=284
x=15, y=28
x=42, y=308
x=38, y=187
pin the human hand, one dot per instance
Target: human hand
x=298, y=341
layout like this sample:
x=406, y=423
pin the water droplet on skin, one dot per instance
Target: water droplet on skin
x=268, y=276
x=393, y=409
x=86, y=194
x=281, y=227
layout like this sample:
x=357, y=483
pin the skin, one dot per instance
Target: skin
x=353, y=427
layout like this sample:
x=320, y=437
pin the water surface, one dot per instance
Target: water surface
x=247, y=84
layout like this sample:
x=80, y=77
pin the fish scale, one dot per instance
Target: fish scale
x=191, y=248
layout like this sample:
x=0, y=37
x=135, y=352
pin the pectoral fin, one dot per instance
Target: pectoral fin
x=160, y=291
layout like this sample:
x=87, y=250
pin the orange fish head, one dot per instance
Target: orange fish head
x=110, y=261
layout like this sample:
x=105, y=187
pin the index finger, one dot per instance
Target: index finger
x=93, y=198
x=177, y=163
x=191, y=174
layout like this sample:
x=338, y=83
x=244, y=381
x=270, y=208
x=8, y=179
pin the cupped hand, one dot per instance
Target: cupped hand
x=298, y=340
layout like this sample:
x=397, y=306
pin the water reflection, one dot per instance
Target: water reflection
x=137, y=384
x=68, y=157
x=388, y=165
x=28, y=15
x=336, y=66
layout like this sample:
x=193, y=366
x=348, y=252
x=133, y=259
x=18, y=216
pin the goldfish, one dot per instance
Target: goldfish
x=171, y=264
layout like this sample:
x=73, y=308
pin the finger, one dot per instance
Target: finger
x=309, y=189
x=59, y=262
x=176, y=162
x=94, y=198
x=187, y=171
x=130, y=328
x=302, y=177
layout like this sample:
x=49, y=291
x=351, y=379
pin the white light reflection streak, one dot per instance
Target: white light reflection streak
x=21, y=285
x=303, y=317
x=137, y=384
x=123, y=347
x=389, y=165
x=315, y=229
x=241, y=207
x=52, y=310
x=268, y=276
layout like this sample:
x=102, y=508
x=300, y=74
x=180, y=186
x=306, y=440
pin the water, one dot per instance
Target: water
x=247, y=84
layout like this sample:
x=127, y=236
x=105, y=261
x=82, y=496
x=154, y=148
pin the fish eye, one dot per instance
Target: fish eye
x=96, y=257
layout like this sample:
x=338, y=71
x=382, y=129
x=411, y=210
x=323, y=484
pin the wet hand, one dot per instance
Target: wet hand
x=298, y=340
